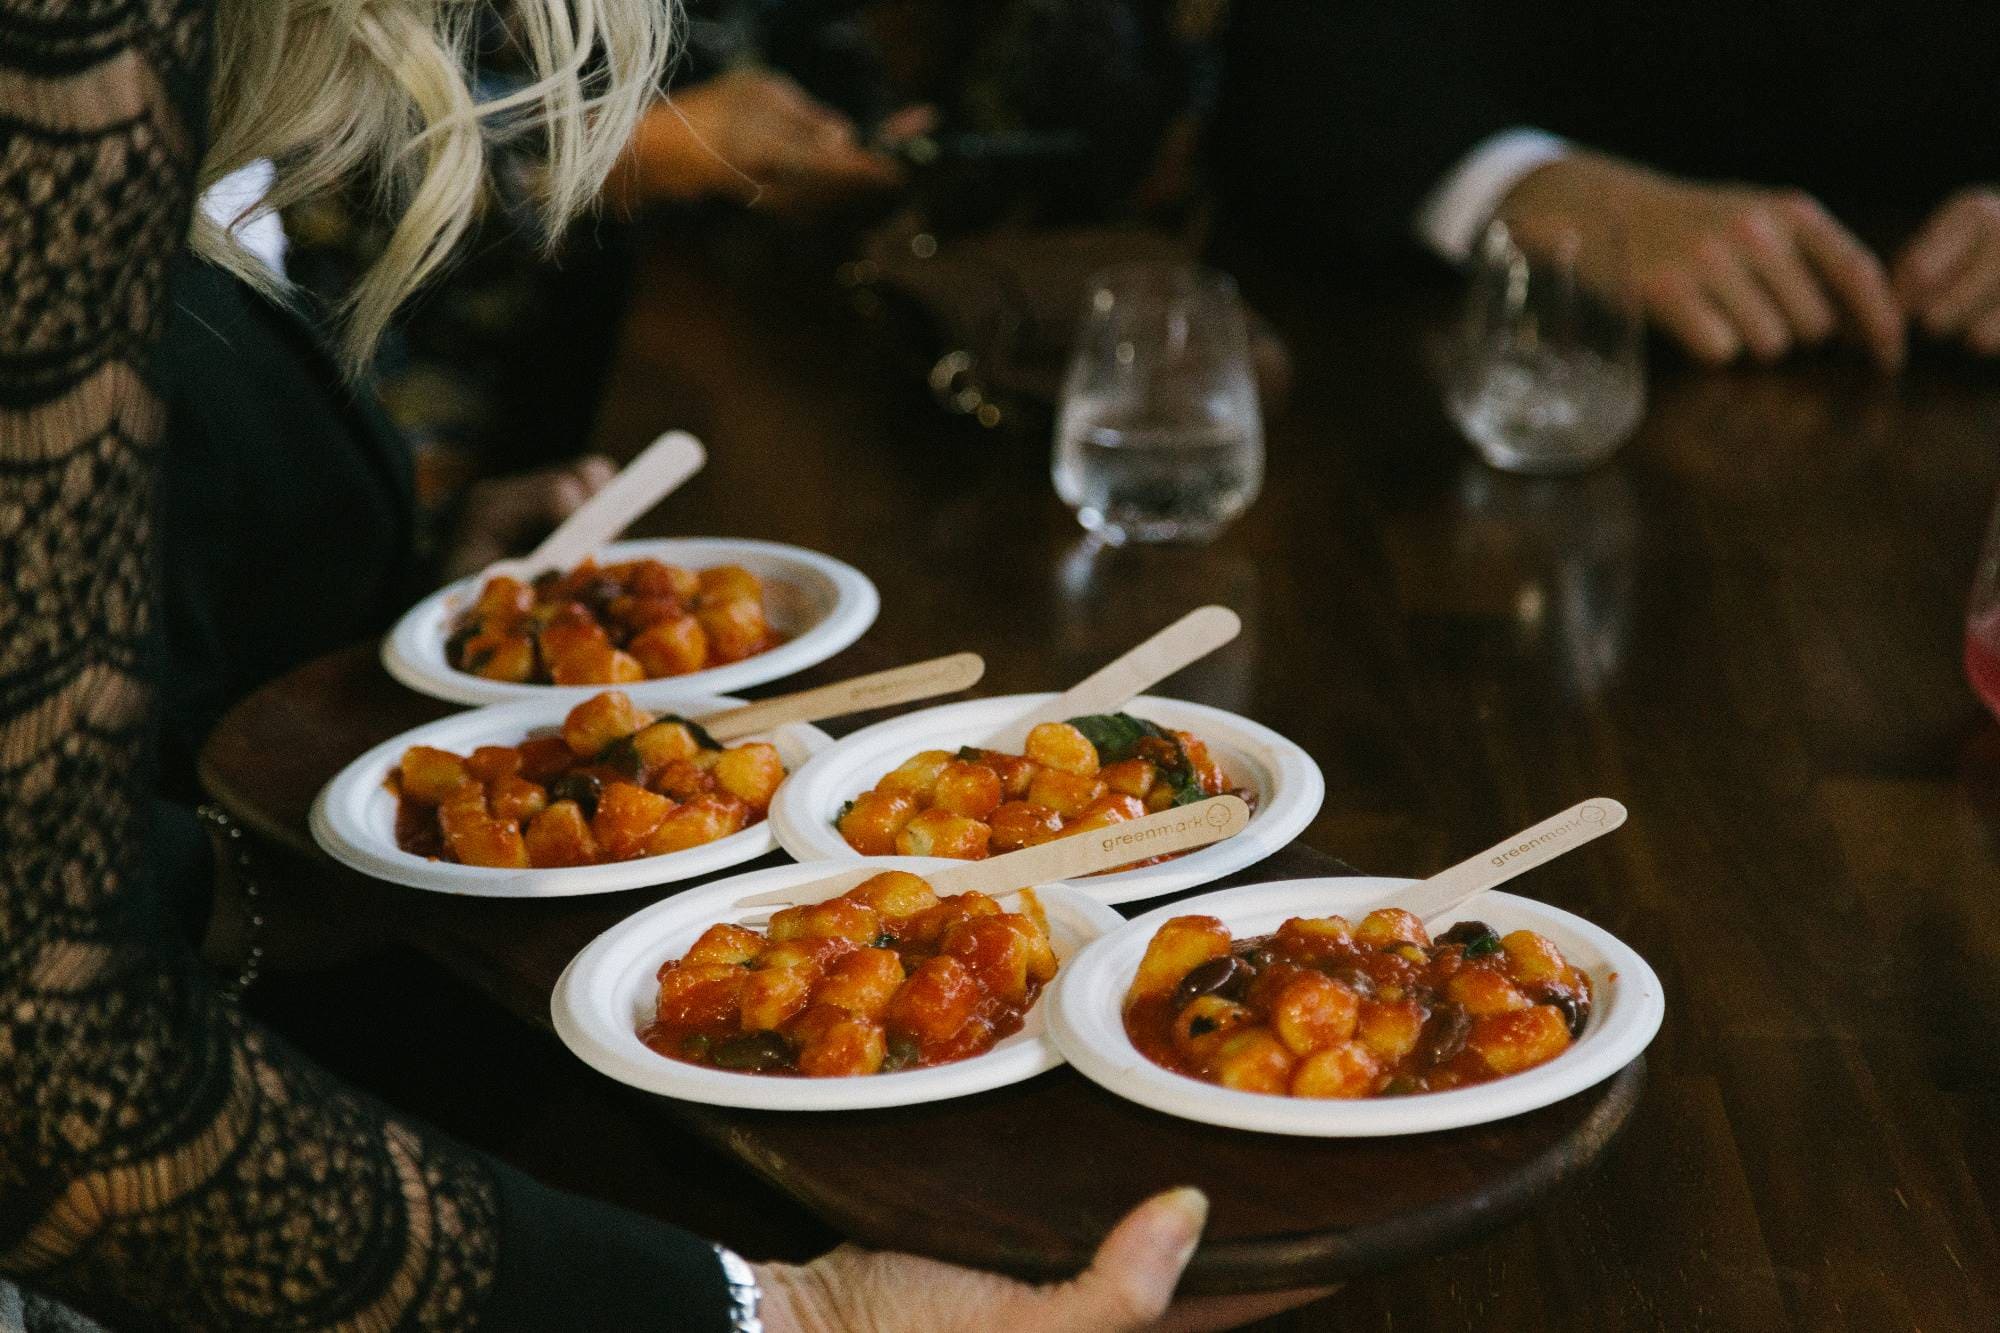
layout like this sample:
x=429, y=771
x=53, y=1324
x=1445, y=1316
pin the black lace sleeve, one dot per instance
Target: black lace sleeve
x=162, y=1162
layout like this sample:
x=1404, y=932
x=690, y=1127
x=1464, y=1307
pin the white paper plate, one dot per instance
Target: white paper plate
x=354, y=818
x=1287, y=782
x=608, y=991
x=1088, y=1024
x=818, y=603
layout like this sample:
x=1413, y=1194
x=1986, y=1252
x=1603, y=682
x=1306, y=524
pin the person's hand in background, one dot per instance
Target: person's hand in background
x=504, y=516
x=1725, y=270
x=756, y=137
x=1948, y=276
x=1128, y=1287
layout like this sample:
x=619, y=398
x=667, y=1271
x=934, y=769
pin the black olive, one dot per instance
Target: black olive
x=753, y=1053
x=583, y=788
x=902, y=1052
x=1443, y=1036
x=1225, y=976
x=622, y=758
x=695, y=729
x=1353, y=978
x=1465, y=932
x=454, y=647
x=599, y=592
x=1575, y=1012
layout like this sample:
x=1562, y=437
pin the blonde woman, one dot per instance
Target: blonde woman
x=162, y=1161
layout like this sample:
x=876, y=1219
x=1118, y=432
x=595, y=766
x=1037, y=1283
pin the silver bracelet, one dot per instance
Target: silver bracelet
x=240, y=860
x=745, y=1296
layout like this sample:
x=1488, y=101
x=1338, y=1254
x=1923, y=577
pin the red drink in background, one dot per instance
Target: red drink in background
x=1982, y=655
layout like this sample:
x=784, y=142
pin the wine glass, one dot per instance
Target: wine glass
x=1550, y=374
x=1982, y=621
x=1159, y=436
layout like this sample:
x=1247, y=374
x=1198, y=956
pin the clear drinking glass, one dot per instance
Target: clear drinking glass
x=1548, y=378
x=1159, y=437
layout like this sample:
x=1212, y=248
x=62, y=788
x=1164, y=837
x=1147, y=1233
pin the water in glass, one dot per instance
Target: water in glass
x=1159, y=436
x=1550, y=378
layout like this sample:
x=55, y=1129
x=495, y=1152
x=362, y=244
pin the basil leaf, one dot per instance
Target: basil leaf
x=1187, y=788
x=1180, y=775
x=1116, y=735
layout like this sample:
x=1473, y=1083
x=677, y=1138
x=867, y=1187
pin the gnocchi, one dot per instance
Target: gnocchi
x=886, y=976
x=1321, y=1009
x=615, y=784
x=611, y=624
x=1076, y=776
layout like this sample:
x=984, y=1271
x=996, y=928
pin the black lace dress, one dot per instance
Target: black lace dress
x=164, y=1163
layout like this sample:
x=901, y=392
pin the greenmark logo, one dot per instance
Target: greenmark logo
x=1589, y=814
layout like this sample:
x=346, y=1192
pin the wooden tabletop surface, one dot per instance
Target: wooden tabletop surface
x=1747, y=628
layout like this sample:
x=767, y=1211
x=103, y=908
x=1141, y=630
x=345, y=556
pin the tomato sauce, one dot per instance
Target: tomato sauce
x=1322, y=1009
x=1074, y=777
x=887, y=976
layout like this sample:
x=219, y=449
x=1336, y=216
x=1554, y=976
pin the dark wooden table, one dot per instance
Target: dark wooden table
x=1747, y=628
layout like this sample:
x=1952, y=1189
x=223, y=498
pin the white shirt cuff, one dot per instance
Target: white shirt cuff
x=1454, y=214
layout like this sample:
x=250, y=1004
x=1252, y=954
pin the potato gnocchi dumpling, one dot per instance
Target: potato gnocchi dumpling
x=887, y=976
x=1320, y=1008
x=611, y=624
x=614, y=784
x=1087, y=773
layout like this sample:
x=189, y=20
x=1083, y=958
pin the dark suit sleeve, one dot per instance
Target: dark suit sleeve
x=1339, y=116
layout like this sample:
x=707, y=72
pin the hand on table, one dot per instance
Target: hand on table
x=757, y=137
x=502, y=516
x=1725, y=270
x=1129, y=1286
x=1948, y=276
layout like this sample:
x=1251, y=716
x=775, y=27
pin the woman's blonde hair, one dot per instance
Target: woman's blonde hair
x=380, y=90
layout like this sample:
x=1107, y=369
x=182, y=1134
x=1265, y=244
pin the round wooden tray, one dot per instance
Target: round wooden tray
x=1024, y=1179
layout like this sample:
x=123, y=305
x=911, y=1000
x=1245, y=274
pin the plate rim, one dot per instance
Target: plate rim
x=343, y=840
x=1275, y=825
x=599, y=1040
x=413, y=654
x=1077, y=1027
